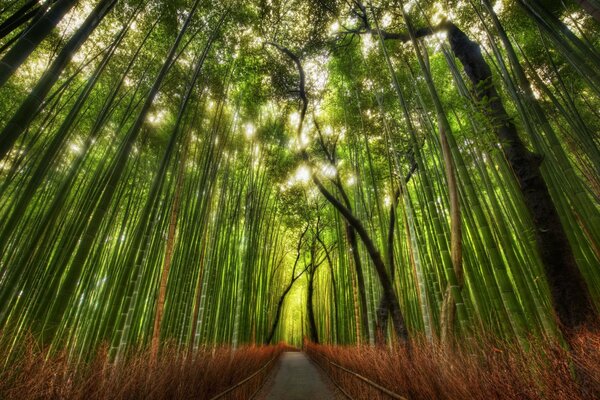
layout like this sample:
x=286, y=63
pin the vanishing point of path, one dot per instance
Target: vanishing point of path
x=297, y=379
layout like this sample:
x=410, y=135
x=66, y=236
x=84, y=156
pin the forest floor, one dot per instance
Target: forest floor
x=296, y=377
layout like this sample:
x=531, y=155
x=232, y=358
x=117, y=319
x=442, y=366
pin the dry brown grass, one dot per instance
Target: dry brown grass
x=174, y=376
x=487, y=370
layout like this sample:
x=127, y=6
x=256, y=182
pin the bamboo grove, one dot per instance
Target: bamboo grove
x=203, y=173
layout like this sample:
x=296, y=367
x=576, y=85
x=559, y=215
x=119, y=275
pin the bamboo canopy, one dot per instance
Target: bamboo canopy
x=237, y=172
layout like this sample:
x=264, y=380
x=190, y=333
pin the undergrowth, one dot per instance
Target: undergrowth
x=481, y=369
x=33, y=374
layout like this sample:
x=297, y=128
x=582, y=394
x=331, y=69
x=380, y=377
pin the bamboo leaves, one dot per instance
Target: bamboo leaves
x=155, y=187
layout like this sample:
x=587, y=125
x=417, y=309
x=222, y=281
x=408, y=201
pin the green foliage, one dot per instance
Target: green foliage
x=229, y=157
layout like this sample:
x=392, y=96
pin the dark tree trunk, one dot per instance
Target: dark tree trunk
x=287, y=289
x=30, y=40
x=31, y=11
x=375, y=255
x=383, y=310
x=278, y=313
x=592, y=9
x=333, y=289
x=360, y=278
x=21, y=16
x=353, y=242
x=28, y=110
x=570, y=296
x=312, y=323
x=383, y=316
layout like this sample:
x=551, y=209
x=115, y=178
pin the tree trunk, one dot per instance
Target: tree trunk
x=383, y=308
x=333, y=289
x=293, y=279
x=570, y=296
x=591, y=8
x=375, y=255
x=28, y=110
x=278, y=313
x=360, y=278
x=383, y=314
x=449, y=317
x=30, y=40
x=164, y=278
x=28, y=11
x=198, y=297
x=312, y=323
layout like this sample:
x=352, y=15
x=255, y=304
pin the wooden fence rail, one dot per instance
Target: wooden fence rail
x=241, y=383
x=362, y=378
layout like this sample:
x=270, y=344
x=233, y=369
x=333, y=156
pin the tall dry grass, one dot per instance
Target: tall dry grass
x=175, y=375
x=485, y=369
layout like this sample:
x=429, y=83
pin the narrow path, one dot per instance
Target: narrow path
x=297, y=378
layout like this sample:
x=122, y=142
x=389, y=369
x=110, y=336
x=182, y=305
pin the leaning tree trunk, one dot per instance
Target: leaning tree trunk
x=374, y=254
x=312, y=323
x=28, y=110
x=26, y=13
x=570, y=296
x=30, y=40
x=386, y=283
x=360, y=277
x=278, y=313
x=287, y=289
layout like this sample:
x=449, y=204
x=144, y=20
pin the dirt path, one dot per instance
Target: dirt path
x=297, y=378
